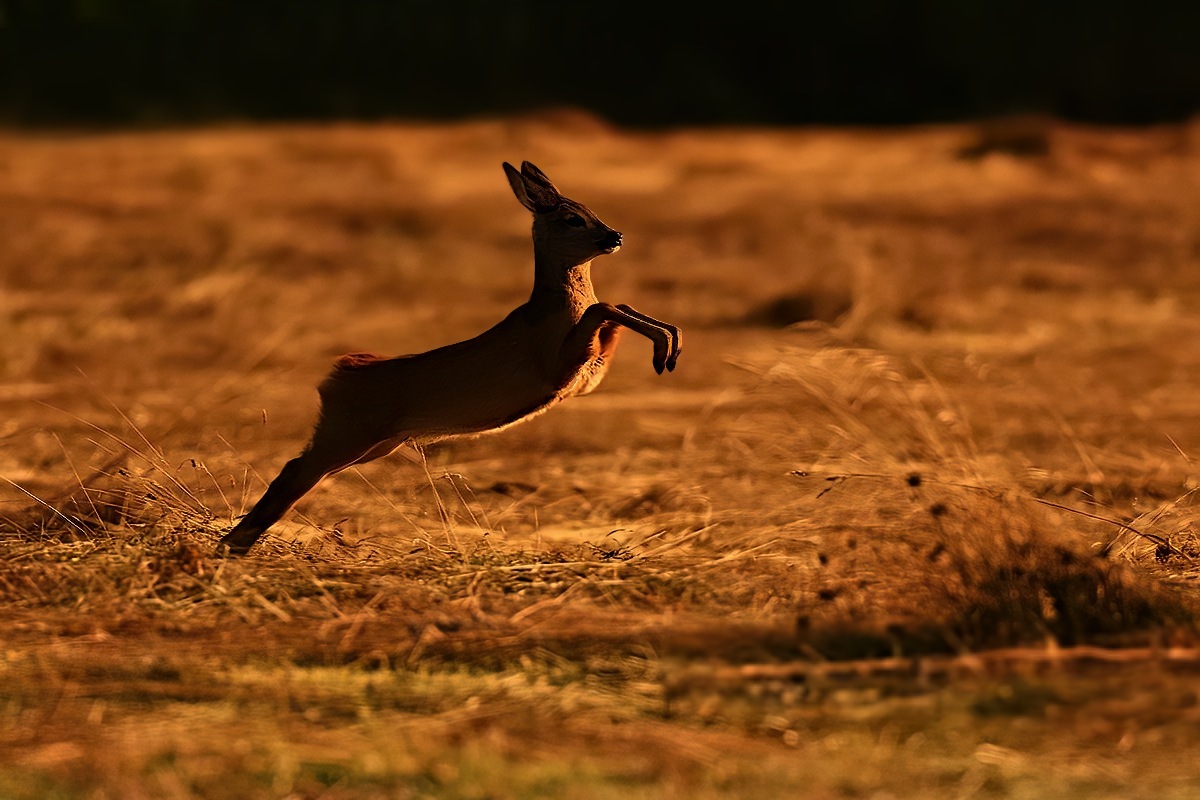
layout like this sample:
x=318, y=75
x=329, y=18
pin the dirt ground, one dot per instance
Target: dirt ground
x=915, y=515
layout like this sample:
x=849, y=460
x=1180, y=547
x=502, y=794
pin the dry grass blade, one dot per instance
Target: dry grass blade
x=48, y=507
x=1150, y=537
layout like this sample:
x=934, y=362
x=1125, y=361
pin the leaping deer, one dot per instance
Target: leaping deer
x=557, y=345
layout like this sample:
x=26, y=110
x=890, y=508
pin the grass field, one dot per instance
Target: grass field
x=916, y=516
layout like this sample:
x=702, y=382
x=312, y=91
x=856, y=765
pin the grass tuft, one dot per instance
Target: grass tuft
x=1030, y=585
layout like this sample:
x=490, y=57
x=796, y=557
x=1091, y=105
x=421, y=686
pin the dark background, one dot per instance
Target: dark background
x=637, y=63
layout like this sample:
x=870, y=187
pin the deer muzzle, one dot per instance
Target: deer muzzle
x=612, y=242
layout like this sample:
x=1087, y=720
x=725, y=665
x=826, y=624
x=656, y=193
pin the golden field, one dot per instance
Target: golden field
x=914, y=516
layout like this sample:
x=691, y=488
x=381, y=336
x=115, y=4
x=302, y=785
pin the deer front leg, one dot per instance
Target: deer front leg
x=583, y=339
x=676, y=335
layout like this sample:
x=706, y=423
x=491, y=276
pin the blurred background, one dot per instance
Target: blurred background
x=862, y=62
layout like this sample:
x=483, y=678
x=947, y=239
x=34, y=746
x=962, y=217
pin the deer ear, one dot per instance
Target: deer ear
x=541, y=191
x=517, y=182
x=532, y=173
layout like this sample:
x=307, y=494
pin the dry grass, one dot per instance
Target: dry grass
x=981, y=438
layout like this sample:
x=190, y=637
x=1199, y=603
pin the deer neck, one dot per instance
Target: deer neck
x=556, y=290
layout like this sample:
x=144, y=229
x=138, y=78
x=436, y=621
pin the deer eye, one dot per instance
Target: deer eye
x=574, y=220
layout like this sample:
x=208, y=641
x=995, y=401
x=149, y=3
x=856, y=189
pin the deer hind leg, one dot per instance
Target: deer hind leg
x=322, y=457
x=295, y=480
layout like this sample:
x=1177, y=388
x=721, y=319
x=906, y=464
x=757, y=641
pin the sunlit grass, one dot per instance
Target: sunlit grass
x=863, y=554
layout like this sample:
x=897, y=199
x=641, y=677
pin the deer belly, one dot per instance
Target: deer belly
x=485, y=416
x=490, y=402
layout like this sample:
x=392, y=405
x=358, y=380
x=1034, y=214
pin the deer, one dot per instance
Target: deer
x=558, y=344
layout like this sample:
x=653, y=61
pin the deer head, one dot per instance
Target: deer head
x=565, y=233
